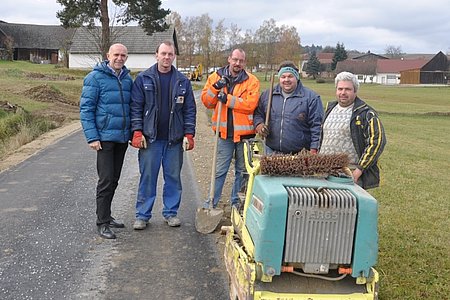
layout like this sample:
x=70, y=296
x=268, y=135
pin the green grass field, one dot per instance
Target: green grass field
x=414, y=197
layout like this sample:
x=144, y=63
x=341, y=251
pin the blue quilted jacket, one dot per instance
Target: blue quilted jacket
x=105, y=105
x=295, y=122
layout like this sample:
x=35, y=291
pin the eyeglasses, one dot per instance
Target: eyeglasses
x=235, y=60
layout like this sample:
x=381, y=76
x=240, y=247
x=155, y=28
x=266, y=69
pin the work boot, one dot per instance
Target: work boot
x=116, y=224
x=105, y=232
x=173, y=221
x=139, y=224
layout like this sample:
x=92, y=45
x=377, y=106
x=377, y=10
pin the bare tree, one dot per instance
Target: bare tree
x=268, y=36
x=289, y=45
x=174, y=19
x=328, y=49
x=251, y=50
x=187, y=42
x=204, y=36
x=217, y=45
x=199, y=42
x=234, y=36
x=393, y=51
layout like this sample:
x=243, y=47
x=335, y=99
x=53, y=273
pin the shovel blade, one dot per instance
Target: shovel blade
x=207, y=219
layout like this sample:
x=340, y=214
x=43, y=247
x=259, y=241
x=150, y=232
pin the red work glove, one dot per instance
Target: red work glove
x=313, y=151
x=188, y=142
x=138, y=140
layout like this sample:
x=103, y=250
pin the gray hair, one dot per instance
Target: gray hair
x=347, y=76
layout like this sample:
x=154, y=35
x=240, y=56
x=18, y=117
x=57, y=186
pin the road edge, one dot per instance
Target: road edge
x=33, y=147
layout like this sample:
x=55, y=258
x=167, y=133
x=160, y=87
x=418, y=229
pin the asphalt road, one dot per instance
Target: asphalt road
x=49, y=248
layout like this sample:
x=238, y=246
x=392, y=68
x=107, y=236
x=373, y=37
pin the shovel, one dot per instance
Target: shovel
x=207, y=219
x=269, y=105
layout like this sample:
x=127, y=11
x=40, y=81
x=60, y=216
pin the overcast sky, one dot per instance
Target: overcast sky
x=415, y=26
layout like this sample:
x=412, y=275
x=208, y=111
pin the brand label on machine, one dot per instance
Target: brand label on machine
x=323, y=215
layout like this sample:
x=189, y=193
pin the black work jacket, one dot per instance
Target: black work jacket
x=368, y=137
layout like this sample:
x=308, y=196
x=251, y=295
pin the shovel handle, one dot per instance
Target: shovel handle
x=214, y=164
x=269, y=102
x=269, y=106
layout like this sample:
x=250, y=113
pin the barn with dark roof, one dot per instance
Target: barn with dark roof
x=36, y=43
x=417, y=70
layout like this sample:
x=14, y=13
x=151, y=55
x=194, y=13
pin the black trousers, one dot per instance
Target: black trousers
x=109, y=165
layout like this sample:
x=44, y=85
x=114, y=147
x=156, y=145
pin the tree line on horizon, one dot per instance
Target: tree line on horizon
x=200, y=42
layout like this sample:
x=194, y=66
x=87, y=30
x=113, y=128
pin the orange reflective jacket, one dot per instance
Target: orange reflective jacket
x=243, y=101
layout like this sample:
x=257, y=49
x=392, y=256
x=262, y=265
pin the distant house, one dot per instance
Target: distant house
x=434, y=70
x=84, y=52
x=35, y=43
x=370, y=56
x=389, y=71
x=366, y=71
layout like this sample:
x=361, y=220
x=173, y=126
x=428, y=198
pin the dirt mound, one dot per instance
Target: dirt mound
x=46, y=93
x=40, y=76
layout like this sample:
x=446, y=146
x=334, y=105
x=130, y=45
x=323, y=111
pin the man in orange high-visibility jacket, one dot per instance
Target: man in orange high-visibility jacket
x=239, y=92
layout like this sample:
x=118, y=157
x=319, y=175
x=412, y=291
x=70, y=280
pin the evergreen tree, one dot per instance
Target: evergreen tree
x=147, y=13
x=313, y=65
x=340, y=54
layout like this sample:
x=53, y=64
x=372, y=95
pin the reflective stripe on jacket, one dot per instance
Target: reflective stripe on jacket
x=243, y=101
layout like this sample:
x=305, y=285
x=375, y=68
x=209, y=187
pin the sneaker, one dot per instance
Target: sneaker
x=139, y=224
x=173, y=221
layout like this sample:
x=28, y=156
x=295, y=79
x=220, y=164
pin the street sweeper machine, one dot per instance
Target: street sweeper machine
x=305, y=231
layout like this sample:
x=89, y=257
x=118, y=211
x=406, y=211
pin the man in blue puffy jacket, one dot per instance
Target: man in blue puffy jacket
x=163, y=116
x=105, y=117
x=295, y=114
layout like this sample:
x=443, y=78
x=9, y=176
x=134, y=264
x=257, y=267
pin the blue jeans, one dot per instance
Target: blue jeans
x=150, y=160
x=226, y=151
